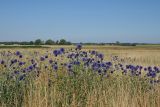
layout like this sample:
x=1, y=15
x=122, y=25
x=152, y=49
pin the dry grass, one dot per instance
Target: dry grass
x=88, y=90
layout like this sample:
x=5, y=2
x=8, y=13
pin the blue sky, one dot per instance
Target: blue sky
x=80, y=20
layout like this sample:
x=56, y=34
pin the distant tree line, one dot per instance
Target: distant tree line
x=39, y=42
x=65, y=42
x=117, y=43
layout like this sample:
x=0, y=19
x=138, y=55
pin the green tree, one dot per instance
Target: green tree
x=38, y=42
x=68, y=43
x=49, y=42
x=57, y=42
x=62, y=42
x=117, y=43
x=31, y=43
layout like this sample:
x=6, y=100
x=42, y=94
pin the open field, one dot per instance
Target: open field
x=142, y=54
x=119, y=76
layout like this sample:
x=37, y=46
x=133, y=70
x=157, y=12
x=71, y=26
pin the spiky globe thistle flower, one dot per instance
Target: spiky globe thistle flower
x=55, y=67
x=42, y=58
x=62, y=50
x=2, y=62
x=55, y=52
x=18, y=53
x=78, y=47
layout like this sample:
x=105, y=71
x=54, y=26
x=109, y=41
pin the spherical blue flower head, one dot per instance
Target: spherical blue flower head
x=84, y=53
x=20, y=56
x=99, y=65
x=99, y=71
x=55, y=52
x=145, y=69
x=30, y=67
x=127, y=66
x=2, y=62
x=15, y=60
x=59, y=52
x=132, y=68
x=71, y=55
x=79, y=47
x=95, y=66
x=120, y=65
x=101, y=56
x=20, y=63
x=50, y=61
x=148, y=74
x=155, y=68
x=42, y=58
x=158, y=70
x=77, y=63
x=16, y=72
x=86, y=64
x=62, y=50
x=109, y=63
x=149, y=68
x=76, y=55
x=153, y=74
x=18, y=53
x=22, y=77
x=34, y=65
x=141, y=67
x=103, y=65
x=69, y=66
x=93, y=52
x=84, y=59
x=125, y=71
x=137, y=67
x=55, y=67
x=107, y=67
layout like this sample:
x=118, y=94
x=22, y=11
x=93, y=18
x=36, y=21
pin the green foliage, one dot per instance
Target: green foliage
x=38, y=42
x=11, y=90
x=64, y=42
x=49, y=42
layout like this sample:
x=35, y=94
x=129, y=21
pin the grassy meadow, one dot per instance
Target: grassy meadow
x=40, y=77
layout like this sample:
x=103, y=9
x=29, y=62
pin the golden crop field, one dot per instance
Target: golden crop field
x=94, y=76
